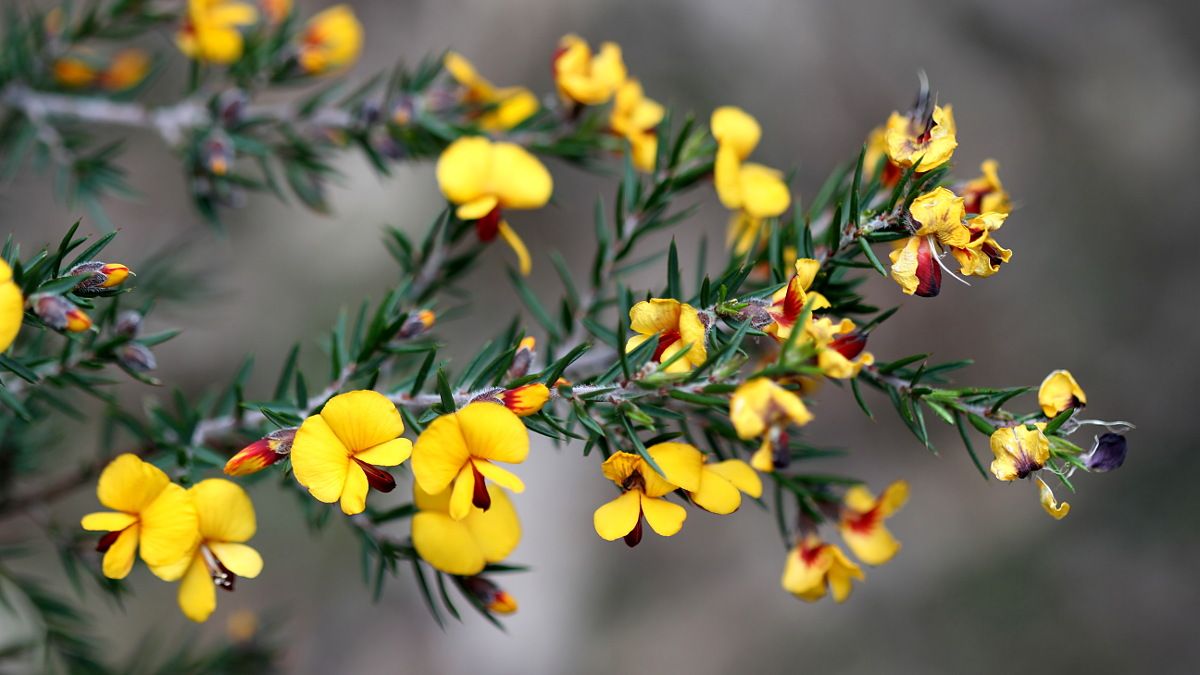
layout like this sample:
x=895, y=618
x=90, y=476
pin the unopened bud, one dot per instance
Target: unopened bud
x=128, y=324
x=231, y=106
x=523, y=358
x=261, y=453
x=491, y=596
x=402, y=113
x=526, y=399
x=1107, y=454
x=136, y=357
x=416, y=324
x=217, y=154
x=105, y=276
x=60, y=314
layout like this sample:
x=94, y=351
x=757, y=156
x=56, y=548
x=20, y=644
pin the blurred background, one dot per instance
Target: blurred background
x=1091, y=108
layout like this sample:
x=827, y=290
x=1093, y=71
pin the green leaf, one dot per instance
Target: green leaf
x=966, y=439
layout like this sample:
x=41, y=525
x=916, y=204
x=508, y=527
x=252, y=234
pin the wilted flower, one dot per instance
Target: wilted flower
x=1057, y=510
x=925, y=134
x=262, y=453
x=148, y=509
x=58, y=313
x=461, y=449
x=986, y=193
x=1019, y=451
x=678, y=327
x=332, y=39
x=1058, y=392
x=814, y=568
x=584, y=78
x=337, y=453
x=464, y=546
x=1107, y=454
x=104, y=277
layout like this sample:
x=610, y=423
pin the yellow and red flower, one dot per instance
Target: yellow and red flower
x=760, y=408
x=464, y=545
x=636, y=118
x=788, y=303
x=526, y=399
x=862, y=520
x=584, y=78
x=332, y=40
x=261, y=453
x=642, y=492
x=986, y=193
x=814, y=568
x=211, y=31
x=757, y=190
x=1019, y=451
x=926, y=134
x=504, y=107
x=677, y=326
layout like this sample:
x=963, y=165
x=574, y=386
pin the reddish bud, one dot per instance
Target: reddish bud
x=491, y=596
x=262, y=453
x=60, y=314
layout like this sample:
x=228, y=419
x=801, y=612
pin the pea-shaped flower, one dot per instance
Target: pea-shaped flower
x=464, y=546
x=814, y=568
x=862, y=519
x=332, y=40
x=1060, y=391
x=679, y=329
x=460, y=450
x=337, y=454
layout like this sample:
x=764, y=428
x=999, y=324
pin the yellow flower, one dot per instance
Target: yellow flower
x=509, y=106
x=814, y=567
x=986, y=193
x=678, y=327
x=756, y=189
x=928, y=138
x=584, y=78
x=211, y=30
x=1057, y=510
x=332, y=40
x=983, y=256
x=759, y=407
x=862, y=519
x=463, y=546
x=643, y=489
x=1019, y=451
x=484, y=178
x=461, y=449
x=12, y=307
x=76, y=70
x=915, y=268
x=148, y=509
x=840, y=347
x=1060, y=391
x=788, y=302
x=126, y=70
x=722, y=485
x=636, y=117
x=336, y=454
x=876, y=151
x=743, y=232
x=940, y=214
x=225, y=522
x=526, y=399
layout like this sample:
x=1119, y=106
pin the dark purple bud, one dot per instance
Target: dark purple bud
x=129, y=324
x=137, y=357
x=1107, y=454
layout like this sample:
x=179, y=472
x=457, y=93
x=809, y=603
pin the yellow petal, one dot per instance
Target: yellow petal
x=353, y=499
x=107, y=521
x=128, y=484
x=735, y=128
x=716, y=495
x=806, y=272
x=439, y=454
x=941, y=213
x=874, y=545
x=621, y=465
x=500, y=476
x=739, y=474
x=518, y=178
x=462, y=493
x=650, y=317
x=1058, y=392
x=491, y=431
x=362, y=419
x=170, y=527
x=840, y=573
x=904, y=265
x=197, y=593
x=1057, y=510
x=446, y=544
x=391, y=453
x=175, y=570
x=618, y=517
x=237, y=558
x=693, y=334
x=320, y=461
x=224, y=510
x=727, y=177
x=893, y=498
x=477, y=208
x=118, y=559
x=763, y=459
x=12, y=309
x=510, y=237
x=763, y=192
x=463, y=169
x=496, y=531
x=664, y=517
x=681, y=465
x=805, y=578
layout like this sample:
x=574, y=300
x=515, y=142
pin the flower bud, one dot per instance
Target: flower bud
x=60, y=314
x=128, y=324
x=105, y=276
x=262, y=453
x=136, y=357
x=849, y=344
x=217, y=154
x=231, y=106
x=526, y=399
x=491, y=596
x=523, y=358
x=1107, y=454
x=416, y=324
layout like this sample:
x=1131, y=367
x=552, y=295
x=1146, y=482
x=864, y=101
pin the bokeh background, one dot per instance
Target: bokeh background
x=1091, y=108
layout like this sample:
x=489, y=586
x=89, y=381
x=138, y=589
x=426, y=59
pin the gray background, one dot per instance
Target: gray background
x=1091, y=110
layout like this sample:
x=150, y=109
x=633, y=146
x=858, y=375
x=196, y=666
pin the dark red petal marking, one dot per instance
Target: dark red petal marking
x=850, y=344
x=107, y=540
x=376, y=477
x=635, y=535
x=929, y=273
x=487, y=227
x=665, y=340
x=480, y=496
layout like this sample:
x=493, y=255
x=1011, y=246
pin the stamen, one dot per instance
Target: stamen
x=938, y=258
x=221, y=576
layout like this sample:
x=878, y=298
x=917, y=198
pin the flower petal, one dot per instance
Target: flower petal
x=735, y=128
x=439, y=454
x=664, y=517
x=477, y=208
x=240, y=559
x=170, y=527
x=618, y=517
x=446, y=544
x=128, y=484
x=874, y=546
x=716, y=495
x=462, y=493
x=518, y=178
x=497, y=531
x=354, y=491
x=107, y=521
x=12, y=308
x=463, y=169
x=391, y=453
x=654, y=316
x=362, y=419
x=224, y=510
x=319, y=460
x=493, y=432
x=510, y=237
x=681, y=464
x=118, y=559
x=197, y=593
x=739, y=474
x=501, y=477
